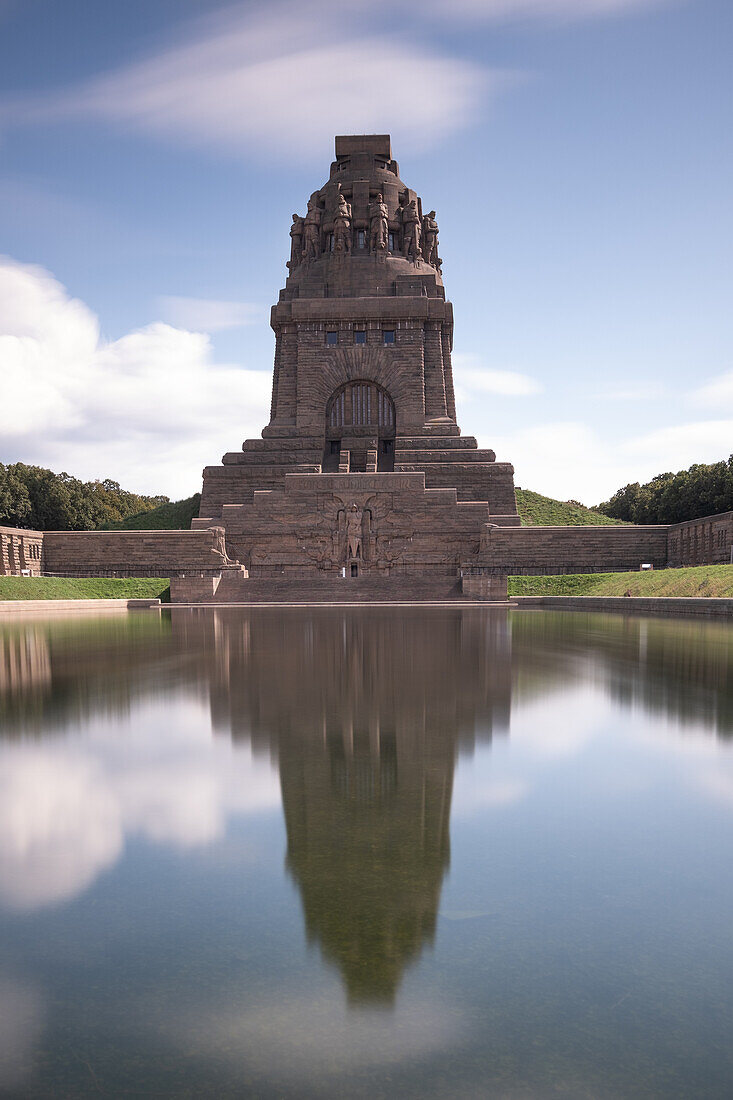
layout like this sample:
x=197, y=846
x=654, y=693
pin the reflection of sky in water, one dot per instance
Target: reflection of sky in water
x=436, y=853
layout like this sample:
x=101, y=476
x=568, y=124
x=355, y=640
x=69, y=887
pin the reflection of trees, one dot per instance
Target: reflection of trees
x=678, y=669
x=58, y=673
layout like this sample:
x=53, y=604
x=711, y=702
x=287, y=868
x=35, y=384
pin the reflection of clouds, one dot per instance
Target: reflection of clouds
x=313, y=1039
x=719, y=784
x=472, y=794
x=59, y=826
x=703, y=762
x=542, y=731
x=21, y=1018
x=560, y=726
x=66, y=808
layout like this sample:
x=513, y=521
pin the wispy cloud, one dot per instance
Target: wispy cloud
x=280, y=80
x=208, y=314
x=648, y=391
x=543, y=10
x=717, y=393
x=679, y=445
x=472, y=376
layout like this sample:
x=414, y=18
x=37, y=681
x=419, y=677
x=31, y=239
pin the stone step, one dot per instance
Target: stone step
x=312, y=589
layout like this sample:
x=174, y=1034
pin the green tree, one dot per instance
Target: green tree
x=702, y=490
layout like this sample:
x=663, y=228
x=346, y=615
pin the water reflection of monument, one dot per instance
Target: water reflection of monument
x=366, y=713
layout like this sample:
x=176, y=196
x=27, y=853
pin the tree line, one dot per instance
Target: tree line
x=702, y=490
x=38, y=499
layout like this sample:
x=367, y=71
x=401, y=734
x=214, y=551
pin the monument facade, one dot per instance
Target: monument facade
x=362, y=468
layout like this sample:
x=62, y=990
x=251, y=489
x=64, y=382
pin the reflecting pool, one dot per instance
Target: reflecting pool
x=366, y=853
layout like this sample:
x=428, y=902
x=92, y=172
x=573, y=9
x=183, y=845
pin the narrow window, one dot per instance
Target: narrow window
x=388, y=335
x=360, y=336
x=391, y=241
x=332, y=338
x=360, y=238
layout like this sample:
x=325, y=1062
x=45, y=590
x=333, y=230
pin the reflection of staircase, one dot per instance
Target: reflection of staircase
x=234, y=588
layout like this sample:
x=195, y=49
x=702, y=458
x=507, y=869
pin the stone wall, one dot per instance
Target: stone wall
x=406, y=528
x=130, y=553
x=544, y=550
x=20, y=552
x=704, y=541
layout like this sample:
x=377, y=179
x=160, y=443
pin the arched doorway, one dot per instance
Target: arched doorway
x=360, y=420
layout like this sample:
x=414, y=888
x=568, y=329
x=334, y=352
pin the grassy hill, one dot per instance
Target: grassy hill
x=538, y=511
x=694, y=580
x=173, y=516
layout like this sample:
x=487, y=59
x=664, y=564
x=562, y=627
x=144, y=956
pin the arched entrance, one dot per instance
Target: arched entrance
x=360, y=428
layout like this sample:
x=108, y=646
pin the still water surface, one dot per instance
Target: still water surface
x=369, y=853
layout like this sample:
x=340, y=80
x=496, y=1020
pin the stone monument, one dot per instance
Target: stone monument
x=363, y=430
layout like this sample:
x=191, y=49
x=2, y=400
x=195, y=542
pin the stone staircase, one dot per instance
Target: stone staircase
x=234, y=588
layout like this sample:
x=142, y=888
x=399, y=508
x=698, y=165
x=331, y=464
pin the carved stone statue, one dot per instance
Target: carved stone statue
x=354, y=518
x=296, y=242
x=219, y=549
x=430, y=240
x=342, y=224
x=411, y=231
x=312, y=232
x=378, y=225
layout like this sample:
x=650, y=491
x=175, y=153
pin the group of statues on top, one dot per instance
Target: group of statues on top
x=419, y=235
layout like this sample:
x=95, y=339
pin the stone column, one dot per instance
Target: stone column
x=450, y=399
x=435, y=406
x=287, y=375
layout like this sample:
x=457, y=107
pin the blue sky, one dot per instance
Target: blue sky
x=578, y=154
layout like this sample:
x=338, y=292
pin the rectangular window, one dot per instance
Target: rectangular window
x=332, y=338
x=388, y=335
x=391, y=241
x=360, y=238
x=360, y=336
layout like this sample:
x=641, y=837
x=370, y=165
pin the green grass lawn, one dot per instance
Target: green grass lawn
x=84, y=588
x=538, y=511
x=174, y=516
x=697, y=580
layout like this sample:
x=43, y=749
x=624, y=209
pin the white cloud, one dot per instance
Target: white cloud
x=570, y=460
x=564, y=459
x=208, y=314
x=717, y=393
x=473, y=376
x=546, y=10
x=149, y=409
x=282, y=79
x=679, y=445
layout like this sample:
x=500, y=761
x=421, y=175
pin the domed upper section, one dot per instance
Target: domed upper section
x=364, y=233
